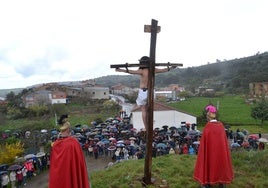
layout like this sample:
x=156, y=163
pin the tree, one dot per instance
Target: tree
x=260, y=111
x=38, y=110
x=111, y=106
x=14, y=100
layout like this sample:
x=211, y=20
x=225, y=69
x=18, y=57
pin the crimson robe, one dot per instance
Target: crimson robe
x=213, y=164
x=67, y=165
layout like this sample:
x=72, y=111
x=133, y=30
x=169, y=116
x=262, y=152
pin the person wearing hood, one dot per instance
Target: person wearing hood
x=213, y=165
x=67, y=163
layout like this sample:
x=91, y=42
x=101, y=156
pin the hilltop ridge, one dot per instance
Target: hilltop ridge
x=230, y=76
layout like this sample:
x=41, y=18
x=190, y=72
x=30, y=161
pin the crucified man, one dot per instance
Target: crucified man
x=143, y=71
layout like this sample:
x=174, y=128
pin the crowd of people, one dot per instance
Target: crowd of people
x=118, y=139
x=19, y=173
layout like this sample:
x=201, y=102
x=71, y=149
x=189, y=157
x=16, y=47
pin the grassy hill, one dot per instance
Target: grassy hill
x=232, y=109
x=250, y=169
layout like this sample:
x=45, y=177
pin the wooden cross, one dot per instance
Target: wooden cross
x=153, y=29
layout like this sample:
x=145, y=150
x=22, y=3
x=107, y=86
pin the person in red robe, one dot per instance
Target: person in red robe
x=213, y=165
x=67, y=163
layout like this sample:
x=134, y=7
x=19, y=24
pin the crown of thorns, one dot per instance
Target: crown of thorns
x=144, y=60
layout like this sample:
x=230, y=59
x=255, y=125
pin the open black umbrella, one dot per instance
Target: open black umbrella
x=14, y=167
x=3, y=172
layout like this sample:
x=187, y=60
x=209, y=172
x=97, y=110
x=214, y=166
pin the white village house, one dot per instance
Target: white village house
x=163, y=115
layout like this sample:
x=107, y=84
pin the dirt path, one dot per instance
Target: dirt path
x=41, y=181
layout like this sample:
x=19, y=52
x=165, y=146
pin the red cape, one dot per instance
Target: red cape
x=67, y=165
x=213, y=163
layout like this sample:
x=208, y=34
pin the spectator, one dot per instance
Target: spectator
x=24, y=174
x=12, y=177
x=19, y=177
x=5, y=180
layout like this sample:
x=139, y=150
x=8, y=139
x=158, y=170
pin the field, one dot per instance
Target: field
x=232, y=110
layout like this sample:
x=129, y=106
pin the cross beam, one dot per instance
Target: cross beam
x=126, y=65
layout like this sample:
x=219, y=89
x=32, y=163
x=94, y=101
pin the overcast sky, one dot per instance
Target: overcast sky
x=52, y=40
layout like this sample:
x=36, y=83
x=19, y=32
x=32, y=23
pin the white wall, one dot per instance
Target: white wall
x=58, y=101
x=170, y=118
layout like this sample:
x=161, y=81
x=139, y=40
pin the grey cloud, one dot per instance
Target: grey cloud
x=42, y=65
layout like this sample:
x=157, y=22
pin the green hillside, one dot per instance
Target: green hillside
x=232, y=109
x=232, y=76
x=250, y=170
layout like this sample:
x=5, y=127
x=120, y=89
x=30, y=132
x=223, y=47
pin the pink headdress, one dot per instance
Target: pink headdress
x=211, y=109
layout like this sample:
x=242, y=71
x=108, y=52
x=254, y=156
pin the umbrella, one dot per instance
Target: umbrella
x=78, y=125
x=29, y=156
x=263, y=140
x=100, y=143
x=245, y=132
x=111, y=148
x=172, y=128
x=120, y=141
x=132, y=138
x=93, y=133
x=165, y=126
x=120, y=145
x=85, y=126
x=54, y=132
x=245, y=144
x=253, y=136
x=43, y=131
x=14, y=167
x=98, y=126
x=192, y=132
x=88, y=133
x=176, y=135
x=97, y=136
x=19, y=160
x=196, y=142
x=105, y=134
x=3, y=172
x=127, y=142
x=235, y=145
x=241, y=134
x=161, y=145
x=105, y=141
x=111, y=138
x=187, y=137
x=40, y=154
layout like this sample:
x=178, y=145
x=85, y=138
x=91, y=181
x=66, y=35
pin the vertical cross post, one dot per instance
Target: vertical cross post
x=149, y=128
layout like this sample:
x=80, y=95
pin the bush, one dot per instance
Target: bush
x=9, y=151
